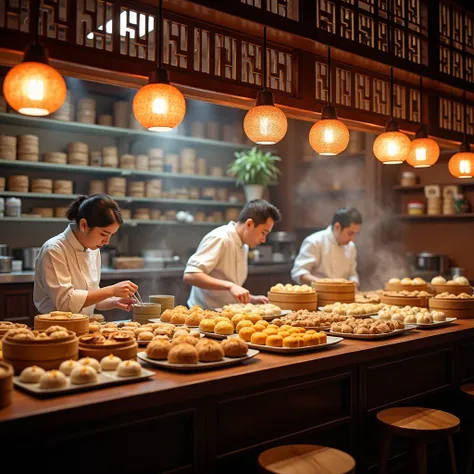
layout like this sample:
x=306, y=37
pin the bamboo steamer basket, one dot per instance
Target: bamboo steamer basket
x=142, y=313
x=44, y=353
x=400, y=287
x=43, y=211
x=55, y=157
x=125, y=350
x=420, y=301
x=6, y=384
x=28, y=156
x=10, y=325
x=79, y=326
x=60, y=211
x=42, y=185
x=165, y=301
x=453, y=308
x=78, y=147
x=453, y=289
x=332, y=292
x=62, y=186
x=2, y=183
x=106, y=120
x=128, y=262
x=294, y=301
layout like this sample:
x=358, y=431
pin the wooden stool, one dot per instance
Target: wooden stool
x=423, y=424
x=306, y=459
x=468, y=391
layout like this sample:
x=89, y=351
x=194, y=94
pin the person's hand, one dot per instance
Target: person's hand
x=259, y=299
x=125, y=303
x=240, y=294
x=124, y=289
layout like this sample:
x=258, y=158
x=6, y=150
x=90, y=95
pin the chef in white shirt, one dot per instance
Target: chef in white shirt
x=330, y=253
x=67, y=270
x=218, y=269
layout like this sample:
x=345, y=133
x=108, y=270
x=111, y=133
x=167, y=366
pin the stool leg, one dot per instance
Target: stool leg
x=470, y=458
x=384, y=452
x=452, y=455
x=421, y=458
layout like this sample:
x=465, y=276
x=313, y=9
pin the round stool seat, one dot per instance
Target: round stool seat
x=306, y=459
x=416, y=421
x=468, y=389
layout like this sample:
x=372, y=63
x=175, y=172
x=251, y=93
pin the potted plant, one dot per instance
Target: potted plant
x=254, y=169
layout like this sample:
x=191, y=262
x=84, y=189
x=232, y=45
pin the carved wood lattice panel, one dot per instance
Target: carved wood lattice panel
x=285, y=8
x=451, y=116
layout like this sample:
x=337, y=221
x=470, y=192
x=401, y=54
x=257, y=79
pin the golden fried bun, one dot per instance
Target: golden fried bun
x=178, y=318
x=183, y=354
x=275, y=340
x=311, y=339
x=181, y=332
x=158, y=349
x=83, y=374
x=285, y=327
x=209, y=351
x=243, y=324
x=145, y=336
x=259, y=327
x=164, y=331
x=166, y=316
x=273, y=326
x=184, y=339
x=310, y=331
x=224, y=327
x=293, y=330
x=246, y=333
x=239, y=317
x=220, y=319
x=323, y=337
x=207, y=325
x=262, y=322
x=234, y=347
x=284, y=334
x=299, y=338
x=254, y=317
x=193, y=320
x=270, y=331
x=259, y=338
x=290, y=341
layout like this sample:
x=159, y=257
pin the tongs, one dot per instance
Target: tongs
x=139, y=298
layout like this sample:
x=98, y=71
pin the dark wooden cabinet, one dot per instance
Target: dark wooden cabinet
x=16, y=303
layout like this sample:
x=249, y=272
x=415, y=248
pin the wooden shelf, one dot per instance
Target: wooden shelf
x=93, y=129
x=426, y=217
x=421, y=187
x=130, y=222
x=129, y=200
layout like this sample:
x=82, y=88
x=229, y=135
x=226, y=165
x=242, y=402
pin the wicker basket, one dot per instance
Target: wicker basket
x=331, y=292
x=125, y=350
x=79, y=326
x=453, y=308
x=294, y=301
x=400, y=287
x=453, y=289
x=420, y=301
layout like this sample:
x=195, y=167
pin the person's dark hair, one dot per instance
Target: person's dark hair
x=99, y=210
x=347, y=216
x=259, y=211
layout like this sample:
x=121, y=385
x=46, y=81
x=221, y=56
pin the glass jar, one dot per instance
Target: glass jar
x=408, y=178
x=416, y=208
x=13, y=207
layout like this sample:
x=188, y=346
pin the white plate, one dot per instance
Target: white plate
x=105, y=379
x=396, y=332
x=158, y=320
x=267, y=317
x=331, y=340
x=427, y=325
x=226, y=361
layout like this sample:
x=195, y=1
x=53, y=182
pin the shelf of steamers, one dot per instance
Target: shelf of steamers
x=128, y=200
x=131, y=222
x=77, y=127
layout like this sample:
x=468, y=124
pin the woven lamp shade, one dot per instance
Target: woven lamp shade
x=329, y=137
x=391, y=147
x=33, y=88
x=265, y=124
x=159, y=107
x=461, y=165
x=424, y=152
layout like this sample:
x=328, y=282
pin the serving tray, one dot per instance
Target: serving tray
x=366, y=337
x=105, y=379
x=368, y=315
x=428, y=325
x=225, y=362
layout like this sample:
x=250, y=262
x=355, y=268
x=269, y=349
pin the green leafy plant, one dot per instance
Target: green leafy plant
x=254, y=166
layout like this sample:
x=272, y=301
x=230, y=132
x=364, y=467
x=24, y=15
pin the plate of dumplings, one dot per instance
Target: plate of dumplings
x=84, y=374
x=370, y=328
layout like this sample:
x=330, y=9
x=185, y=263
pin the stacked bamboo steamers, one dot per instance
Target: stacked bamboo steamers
x=8, y=148
x=152, y=310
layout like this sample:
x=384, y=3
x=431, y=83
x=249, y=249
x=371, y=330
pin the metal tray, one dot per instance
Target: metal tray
x=105, y=379
x=368, y=337
x=428, y=325
x=225, y=362
x=331, y=340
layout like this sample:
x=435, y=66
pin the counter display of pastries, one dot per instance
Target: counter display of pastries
x=368, y=297
x=455, y=286
x=333, y=290
x=293, y=297
x=411, y=315
x=24, y=347
x=190, y=317
x=262, y=309
x=366, y=326
x=5, y=326
x=353, y=309
x=455, y=306
x=406, y=284
x=406, y=298
x=78, y=323
x=309, y=319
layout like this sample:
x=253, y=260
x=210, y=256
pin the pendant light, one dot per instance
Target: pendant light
x=159, y=106
x=329, y=136
x=424, y=151
x=265, y=124
x=461, y=165
x=392, y=146
x=33, y=87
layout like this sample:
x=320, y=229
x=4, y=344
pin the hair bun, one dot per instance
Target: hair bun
x=73, y=210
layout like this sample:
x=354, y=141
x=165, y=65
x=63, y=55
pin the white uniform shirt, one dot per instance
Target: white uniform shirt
x=221, y=254
x=321, y=256
x=64, y=273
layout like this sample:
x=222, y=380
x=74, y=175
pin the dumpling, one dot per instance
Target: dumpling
x=424, y=318
x=438, y=280
x=110, y=362
x=394, y=280
x=68, y=366
x=410, y=319
x=83, y=374
x=438, y=316
x=418, y=281
x=90, y=361
x=129, y=368
x=460, y=280
x=31, y=374
x=53, y=379
x=406, y=281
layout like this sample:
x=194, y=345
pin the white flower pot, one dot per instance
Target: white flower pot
x=253, y=191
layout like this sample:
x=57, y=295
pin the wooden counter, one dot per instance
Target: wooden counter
x=218, y=421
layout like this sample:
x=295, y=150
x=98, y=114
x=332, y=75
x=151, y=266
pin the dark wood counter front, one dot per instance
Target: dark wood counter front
x=218, y=421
